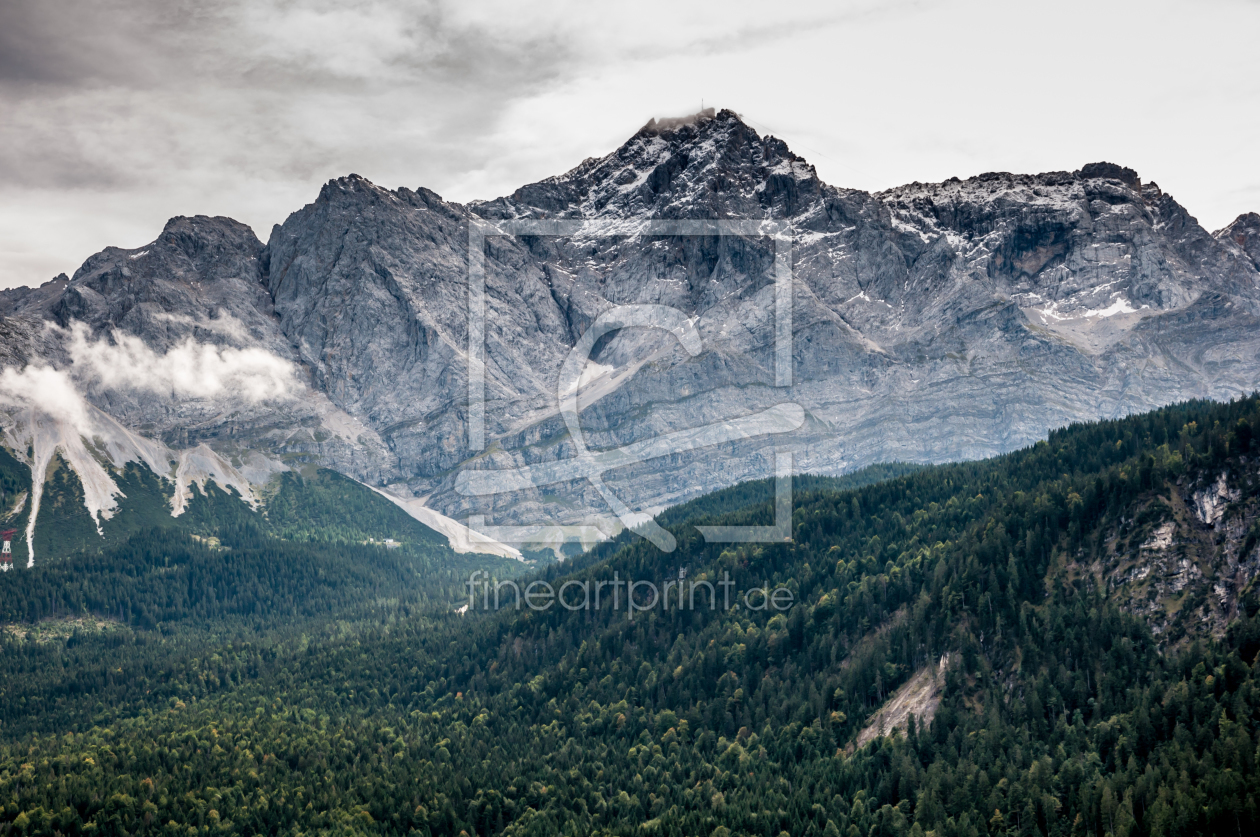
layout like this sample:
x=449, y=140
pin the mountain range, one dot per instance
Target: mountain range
x=928, y=323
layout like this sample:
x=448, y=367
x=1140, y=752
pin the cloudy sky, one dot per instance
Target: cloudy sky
x=117, y=114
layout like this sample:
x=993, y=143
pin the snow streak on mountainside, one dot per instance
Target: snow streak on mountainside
x=930, y=322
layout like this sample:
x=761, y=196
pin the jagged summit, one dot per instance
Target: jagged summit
x=707, y=165
x=351, y=183
x=996, y=180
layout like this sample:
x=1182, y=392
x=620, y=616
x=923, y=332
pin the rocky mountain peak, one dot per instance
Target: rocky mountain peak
x=1085, y=246
x=709, y=164
x=345, y=198
x=190, y=249
x=1245, y=234
x=208, y=244
x=200, y=269
x=1111, y=171
x=350, y=184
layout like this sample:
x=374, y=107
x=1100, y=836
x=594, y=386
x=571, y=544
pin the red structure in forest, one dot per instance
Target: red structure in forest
x=6, y=551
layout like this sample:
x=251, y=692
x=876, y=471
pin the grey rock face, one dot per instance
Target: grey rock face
x=930, y=322
x=370, y=288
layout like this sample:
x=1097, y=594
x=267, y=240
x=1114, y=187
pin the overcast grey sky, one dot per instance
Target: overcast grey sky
x=117, y=114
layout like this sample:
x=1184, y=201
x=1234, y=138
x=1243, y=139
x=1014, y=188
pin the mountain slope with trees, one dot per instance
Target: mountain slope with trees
x=1063, y=712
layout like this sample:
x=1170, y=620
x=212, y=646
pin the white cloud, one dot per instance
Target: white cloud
x=46, y=390
x=187, y=370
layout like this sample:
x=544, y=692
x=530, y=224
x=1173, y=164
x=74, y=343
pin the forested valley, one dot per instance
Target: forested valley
x=275, y=674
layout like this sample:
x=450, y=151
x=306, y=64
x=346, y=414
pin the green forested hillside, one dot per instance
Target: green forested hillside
x=90, y=630
x=755, y=492
x=326, y=506
x=1061, y=713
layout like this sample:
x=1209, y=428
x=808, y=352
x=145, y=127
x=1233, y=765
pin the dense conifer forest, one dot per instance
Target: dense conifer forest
x=273, y=674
